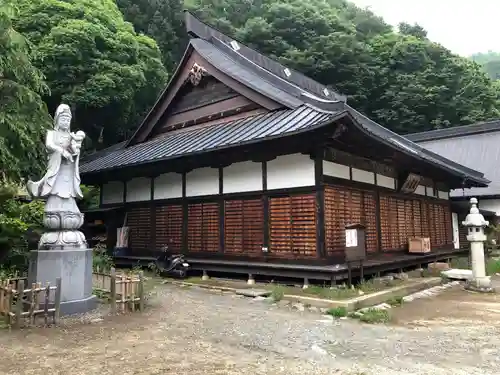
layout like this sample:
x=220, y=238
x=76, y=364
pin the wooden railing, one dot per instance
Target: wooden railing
x=125, y=292
x=20, y=306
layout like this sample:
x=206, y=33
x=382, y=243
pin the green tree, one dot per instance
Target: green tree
x=162, y=21
x=94, y=61
x=415, y=30
x=490, y=61
x=402, y=80
x=23, y=114
x=419, y=85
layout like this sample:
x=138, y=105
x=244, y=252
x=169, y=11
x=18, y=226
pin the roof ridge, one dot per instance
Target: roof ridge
x=455, y=131
x=197, y=27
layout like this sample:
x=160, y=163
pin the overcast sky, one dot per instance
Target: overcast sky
x=463, y=26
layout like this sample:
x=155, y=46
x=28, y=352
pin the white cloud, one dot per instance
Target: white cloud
x=462, y=26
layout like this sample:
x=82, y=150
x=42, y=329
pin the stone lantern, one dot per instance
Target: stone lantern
x=475, y=224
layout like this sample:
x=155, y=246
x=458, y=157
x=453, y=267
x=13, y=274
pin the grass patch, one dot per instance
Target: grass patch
x=337, y=312
x=373, y=316
x=277, y=293
x=395, y=301
x=3, y=322
x=492, y=265
x=317, y=291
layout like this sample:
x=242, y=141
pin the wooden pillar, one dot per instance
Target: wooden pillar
x=184, y=216
x=124, y=192
x=320, y=206
x=265, y=201
x=152, y=213
x=377, y=219
x=100, y=194
x=221, y=210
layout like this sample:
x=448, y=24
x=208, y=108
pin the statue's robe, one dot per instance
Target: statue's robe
x=44, y=187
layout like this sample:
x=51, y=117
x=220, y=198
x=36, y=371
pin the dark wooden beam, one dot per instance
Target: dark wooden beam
x=184, y=216
x=124, y=191
x=101, y=192
x=378, y=220
x=221, y=211
x=265, y=204
x=153, y=215
x=320, y=206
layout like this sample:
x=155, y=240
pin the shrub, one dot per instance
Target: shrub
x=337, y=312
x=277, y=293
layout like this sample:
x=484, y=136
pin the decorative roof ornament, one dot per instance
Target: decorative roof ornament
x=474, y=218
x=196, y=74
x=341, y=129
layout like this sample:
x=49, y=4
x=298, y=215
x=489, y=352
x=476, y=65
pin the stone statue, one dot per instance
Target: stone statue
x=60, y=185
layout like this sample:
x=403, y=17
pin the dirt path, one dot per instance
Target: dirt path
x=192, y=331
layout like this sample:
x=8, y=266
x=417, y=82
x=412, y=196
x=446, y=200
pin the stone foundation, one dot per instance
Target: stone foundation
x=74, y=267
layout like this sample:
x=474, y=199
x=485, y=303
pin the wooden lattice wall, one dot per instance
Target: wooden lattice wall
x=244, y=227
x=203, y=227
x=292, y=221
x=344, y=206
x=292, y=226
x=168, y=227
x=139, y=222
x=401, y=218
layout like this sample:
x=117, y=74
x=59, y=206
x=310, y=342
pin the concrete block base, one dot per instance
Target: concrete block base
x=74, y=267
x=458, y=274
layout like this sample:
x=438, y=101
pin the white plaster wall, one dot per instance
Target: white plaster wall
x=202, y=181
x=421, y=190
x=168, y=185
x=112, y=192
x=241, y=177
x=336, y=170
x=490, y=205
x=443, y=194
x=138, y=189
x=290, y=171
x=430, y=191
x=363, y=176
x=385, y=181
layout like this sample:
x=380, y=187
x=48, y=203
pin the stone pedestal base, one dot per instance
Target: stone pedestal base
x=480, y=284
x=74, y=267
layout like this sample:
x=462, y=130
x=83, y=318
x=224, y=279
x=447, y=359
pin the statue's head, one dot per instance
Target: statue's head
x=62, y=117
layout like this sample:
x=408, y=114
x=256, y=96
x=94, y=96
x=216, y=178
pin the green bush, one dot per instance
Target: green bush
x=337, y=312
x=101, y=261
x=20, y=227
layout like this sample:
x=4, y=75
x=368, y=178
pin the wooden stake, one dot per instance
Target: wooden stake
x=113, y=290
x=57, y=301
x=19, y=305
x=46, y=305
x=141, y=291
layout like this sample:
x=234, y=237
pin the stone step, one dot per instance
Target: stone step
x=458, y=274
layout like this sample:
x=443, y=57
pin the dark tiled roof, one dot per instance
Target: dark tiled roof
x=457, y=131
x=478, y=150
x=307, y=107
x=226, y=62
x=201, y=30
x=199, y=139
x=411, y=148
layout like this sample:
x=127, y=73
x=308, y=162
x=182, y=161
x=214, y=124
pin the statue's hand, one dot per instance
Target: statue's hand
x=67, y=155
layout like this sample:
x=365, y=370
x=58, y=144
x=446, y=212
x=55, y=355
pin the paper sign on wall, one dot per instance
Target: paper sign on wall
x=351, y=238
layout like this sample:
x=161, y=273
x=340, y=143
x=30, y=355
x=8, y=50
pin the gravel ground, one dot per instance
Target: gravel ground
x=194, y=331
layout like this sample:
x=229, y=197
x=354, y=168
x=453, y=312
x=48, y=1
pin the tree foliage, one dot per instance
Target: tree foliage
x=94, y=61
x=23, y=114
x=490, y=62
x=162, y=21
x=400, y=79
x=20, y=225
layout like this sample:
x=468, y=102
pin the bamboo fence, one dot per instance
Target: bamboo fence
x=125, y=292
x=19, y=305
